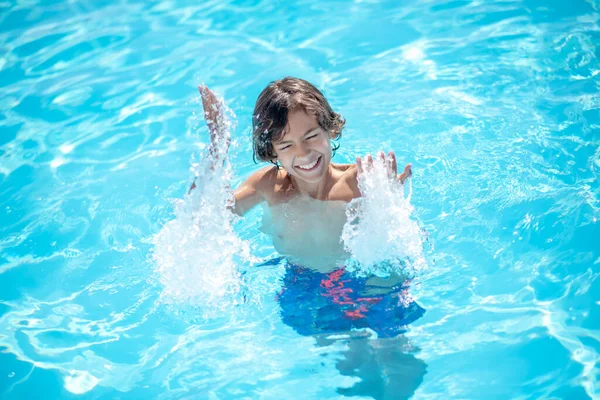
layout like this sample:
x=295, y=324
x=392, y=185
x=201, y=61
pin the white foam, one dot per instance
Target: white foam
x=198, y=255
x=380, y=234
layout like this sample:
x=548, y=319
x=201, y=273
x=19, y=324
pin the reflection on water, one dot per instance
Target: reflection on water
x=383, y=368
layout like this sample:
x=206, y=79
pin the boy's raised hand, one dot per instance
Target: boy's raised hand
x=214, y=114
x=390, y=165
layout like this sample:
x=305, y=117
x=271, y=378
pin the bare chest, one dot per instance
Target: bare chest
x=284, y=190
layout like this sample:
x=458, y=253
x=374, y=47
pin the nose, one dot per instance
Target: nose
x=302, y=150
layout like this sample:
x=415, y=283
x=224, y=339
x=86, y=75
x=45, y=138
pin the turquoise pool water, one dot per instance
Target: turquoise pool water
x=496, y=104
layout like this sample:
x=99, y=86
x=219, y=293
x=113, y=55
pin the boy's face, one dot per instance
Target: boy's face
x=304, y=150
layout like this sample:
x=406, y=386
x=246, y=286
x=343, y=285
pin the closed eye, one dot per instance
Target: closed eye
x=312, y=136
x=284, y=147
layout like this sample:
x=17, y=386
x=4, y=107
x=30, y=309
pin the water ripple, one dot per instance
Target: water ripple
x=495, y=103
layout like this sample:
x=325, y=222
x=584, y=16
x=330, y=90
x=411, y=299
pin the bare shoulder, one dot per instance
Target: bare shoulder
x=348, y=172
x=263, y=178
x=347, y=180
x=271, y=182
x=344, y=167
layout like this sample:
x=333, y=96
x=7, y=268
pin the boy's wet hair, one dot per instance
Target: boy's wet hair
x=279, y=99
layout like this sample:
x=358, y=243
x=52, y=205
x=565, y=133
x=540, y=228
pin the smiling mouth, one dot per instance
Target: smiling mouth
x=310, y=166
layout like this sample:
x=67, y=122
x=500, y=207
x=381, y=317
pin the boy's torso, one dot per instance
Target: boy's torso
x=306, y=229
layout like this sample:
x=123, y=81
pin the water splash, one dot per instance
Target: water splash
x=197, y=255
x=379, y=233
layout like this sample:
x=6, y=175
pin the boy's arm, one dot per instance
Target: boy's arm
x=216, y=121
x=246, y=196
x=252, y=191
x=249, y=193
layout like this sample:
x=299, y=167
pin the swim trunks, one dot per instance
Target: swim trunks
x=314, y=302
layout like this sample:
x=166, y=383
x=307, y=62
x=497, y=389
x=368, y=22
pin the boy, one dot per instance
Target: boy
x=305, y=197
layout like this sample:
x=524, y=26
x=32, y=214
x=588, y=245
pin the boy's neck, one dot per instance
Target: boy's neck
x=318, y=190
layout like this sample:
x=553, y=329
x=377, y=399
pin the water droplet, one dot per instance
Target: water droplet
x=11, y=375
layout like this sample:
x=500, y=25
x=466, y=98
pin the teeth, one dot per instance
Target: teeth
x=309, y=166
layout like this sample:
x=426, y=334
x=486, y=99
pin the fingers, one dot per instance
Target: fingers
x=389, y=162
x=367, y=163
x=406, y=174
x=364, y=164
x=393, y=163
x=210, y=103
x=369, y=160
x=206, y=93
x=212, y=109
